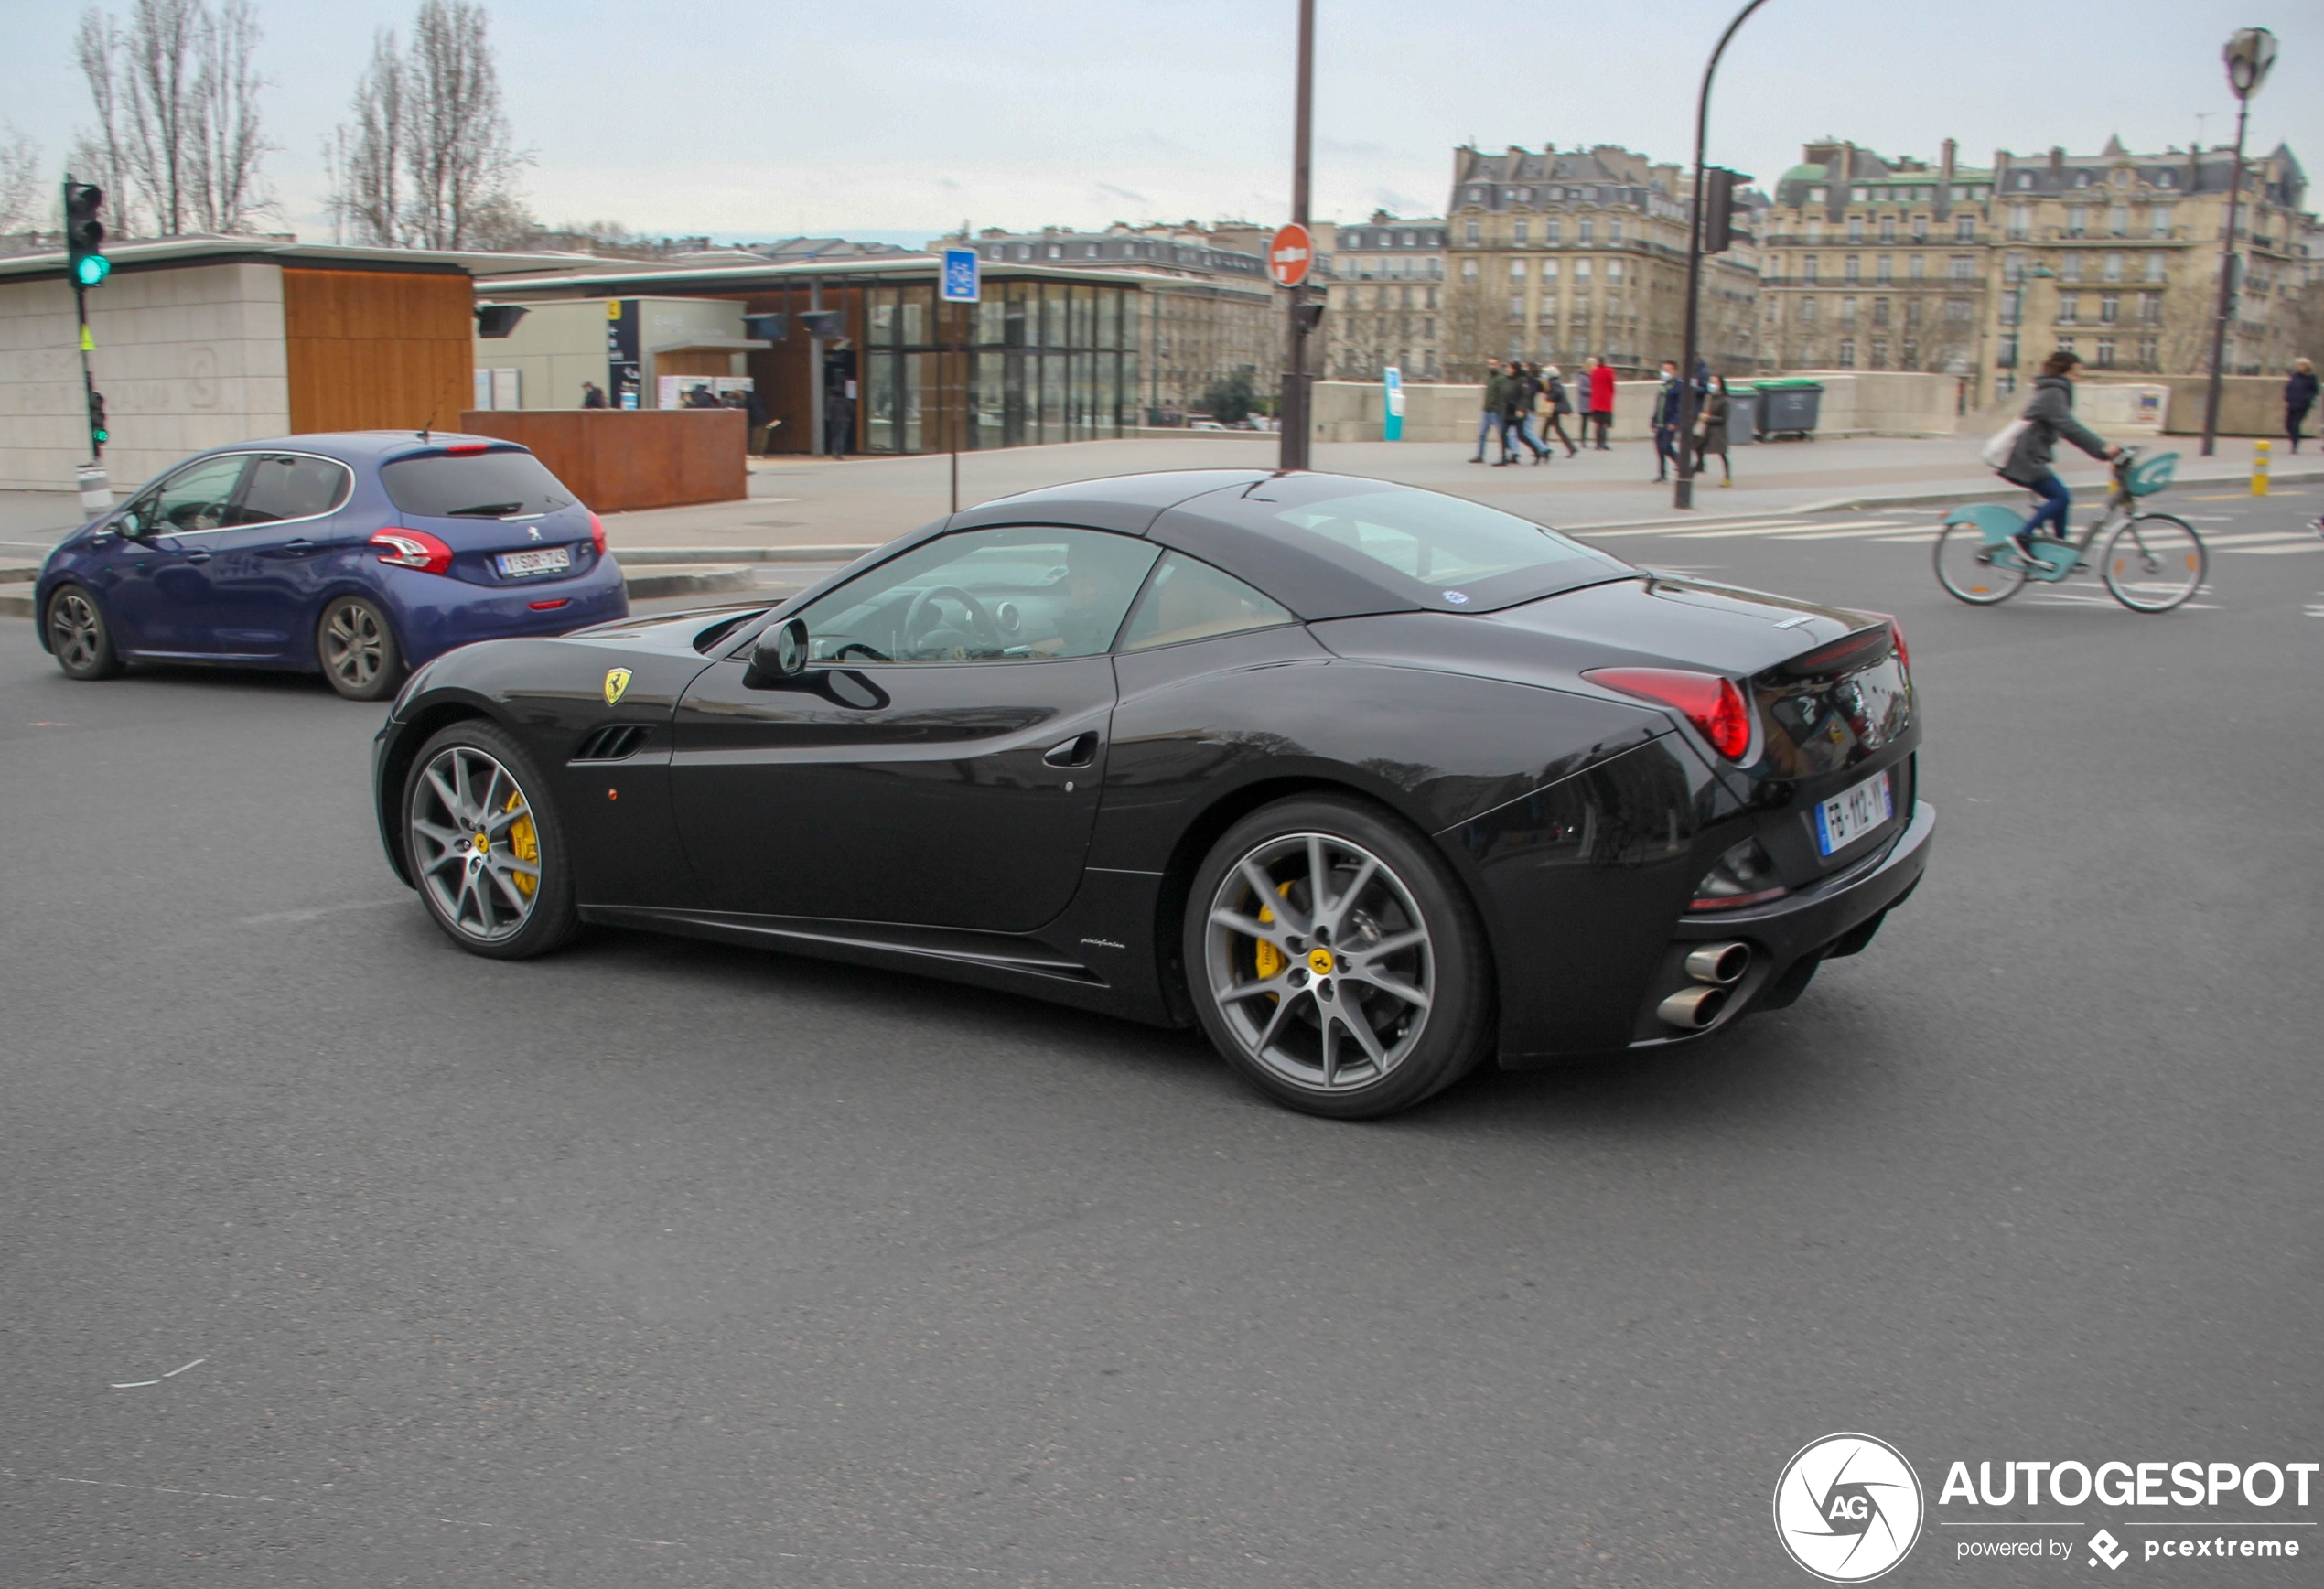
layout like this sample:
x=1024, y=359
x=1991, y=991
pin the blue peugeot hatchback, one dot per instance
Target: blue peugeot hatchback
x=360, y=555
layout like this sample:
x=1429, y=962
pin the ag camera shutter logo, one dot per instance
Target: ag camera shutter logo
x=1848, y=1507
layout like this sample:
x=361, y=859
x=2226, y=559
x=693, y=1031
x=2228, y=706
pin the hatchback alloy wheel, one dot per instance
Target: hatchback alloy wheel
x=358, y=650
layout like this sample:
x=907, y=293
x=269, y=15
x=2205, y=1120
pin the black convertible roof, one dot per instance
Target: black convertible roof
x=1230, y=518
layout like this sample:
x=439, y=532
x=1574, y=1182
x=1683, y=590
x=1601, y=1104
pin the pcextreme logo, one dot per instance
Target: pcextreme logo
x=1848, y=1507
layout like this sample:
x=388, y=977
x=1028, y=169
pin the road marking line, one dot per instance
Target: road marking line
x=2311, y=545
x=2254, y=537
x=1820, y=525
x=1681, y=527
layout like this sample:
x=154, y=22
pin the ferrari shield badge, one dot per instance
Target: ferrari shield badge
x=616, y=680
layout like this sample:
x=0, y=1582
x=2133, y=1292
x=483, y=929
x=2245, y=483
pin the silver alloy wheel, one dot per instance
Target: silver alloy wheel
x=475, y=846
x=75, y=630
x=354, y=644
x=1319, y=961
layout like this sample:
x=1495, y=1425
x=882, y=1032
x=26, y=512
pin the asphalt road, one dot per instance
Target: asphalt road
x=663, y=1265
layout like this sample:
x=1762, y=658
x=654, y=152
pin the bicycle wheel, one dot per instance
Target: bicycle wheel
x=1975, y=571
x=2152, y=562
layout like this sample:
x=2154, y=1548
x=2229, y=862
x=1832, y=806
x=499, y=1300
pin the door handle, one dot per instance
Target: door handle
x=197, y=557
x=298, y=548
x=1078, y=751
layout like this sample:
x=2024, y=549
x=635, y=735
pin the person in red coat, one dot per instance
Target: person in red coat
x=1601, y=401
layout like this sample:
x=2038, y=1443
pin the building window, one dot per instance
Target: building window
x=1614, y=229
x=2109, y=309
x=1919, y=267
x=1517, y=231
x=1613, y=270
x=1516, y=307
x=1847, y=311
x=2105, y=353
x=1476, y=196
x=2020, y=222
x=2114, y=267
x=1887, y=228
x=1847, y=353
x=1965, y=228
x=2154, y=263
x=2012, y=303
x=1919, y=229
x=1553, y=232
x=1815, y=230
x=2077, y=221
x=1879, y=354
x=1549, y=273
x=1818, y=195
x=1852, y=270
x=1468, y=270
x=1517, y=270
x=1807, y=310
x=1474, y=232
x=1956, y=312
x=1807, y=268
x=2158, y=222
x=2068, y=308
x=1859, y=195
x=2150, y=308
x=1581, y=272
x=2147, y=351
x=2118, y=221
x=1913, y=355
x=1586, y=229
x=1855, y=228
x=2070, y=268
x=1912, y=316
x=2006, y=353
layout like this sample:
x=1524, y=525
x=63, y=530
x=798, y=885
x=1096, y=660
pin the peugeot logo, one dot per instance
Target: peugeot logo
x=533, y=530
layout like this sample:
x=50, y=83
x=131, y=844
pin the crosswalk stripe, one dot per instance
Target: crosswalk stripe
x=2311, y=545
x=1793, y=527
x=2259, y=537
x=1853, y=532
x=1683, y=527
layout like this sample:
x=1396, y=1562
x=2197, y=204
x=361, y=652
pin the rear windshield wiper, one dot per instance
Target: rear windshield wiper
x=484, y=511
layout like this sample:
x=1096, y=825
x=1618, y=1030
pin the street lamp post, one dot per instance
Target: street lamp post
x=2249, y=53
x=1292, y=428
x=1683, y=493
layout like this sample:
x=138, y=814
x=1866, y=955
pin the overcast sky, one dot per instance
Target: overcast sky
x=900, y=118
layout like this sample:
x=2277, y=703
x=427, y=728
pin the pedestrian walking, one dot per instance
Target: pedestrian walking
x=592, y=394
x=1517, y=393
x=755, y=411
x=2299, y=396
x=1601, y=401
x=1710, y=430
x=1489, y=421
x=1559, y=402
x=1667, y=405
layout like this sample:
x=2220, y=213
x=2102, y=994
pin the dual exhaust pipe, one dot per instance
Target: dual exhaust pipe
x=1715, y=968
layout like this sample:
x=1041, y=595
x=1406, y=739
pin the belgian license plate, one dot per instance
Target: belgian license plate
x=1852, y=813
x=548, y=560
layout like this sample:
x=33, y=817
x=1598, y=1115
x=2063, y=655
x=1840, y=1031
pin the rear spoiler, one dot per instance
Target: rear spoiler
x=1850, y=653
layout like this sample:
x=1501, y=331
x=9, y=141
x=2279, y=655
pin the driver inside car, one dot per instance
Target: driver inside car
x=1084, y=625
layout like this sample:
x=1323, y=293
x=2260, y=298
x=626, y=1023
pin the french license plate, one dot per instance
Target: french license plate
x=548, y=560
x=1852, y=813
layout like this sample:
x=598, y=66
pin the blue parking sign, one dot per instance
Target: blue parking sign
x=962, y=283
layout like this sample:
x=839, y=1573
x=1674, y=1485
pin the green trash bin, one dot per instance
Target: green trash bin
x=1789, y=408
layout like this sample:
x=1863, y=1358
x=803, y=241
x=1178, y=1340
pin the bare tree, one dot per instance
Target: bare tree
x=462, y=158
x=427, y=160
x=369, y=152
x=177, y=142
x=21, y=207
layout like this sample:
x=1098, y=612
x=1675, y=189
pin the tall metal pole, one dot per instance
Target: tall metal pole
x=2227, y=283
x=1292, y=450
x=1683, y=493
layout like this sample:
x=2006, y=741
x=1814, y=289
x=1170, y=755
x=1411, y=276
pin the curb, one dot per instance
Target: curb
x=687, y=580
x=649, y=555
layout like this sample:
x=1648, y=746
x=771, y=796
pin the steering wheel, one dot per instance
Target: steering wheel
x=980, y=621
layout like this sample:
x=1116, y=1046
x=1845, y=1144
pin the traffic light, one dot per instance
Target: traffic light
x=97, y=431
x=85, y=234
x=1718, y=208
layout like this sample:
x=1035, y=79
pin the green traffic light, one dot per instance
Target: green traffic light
x=103, y=437
x=91, y=269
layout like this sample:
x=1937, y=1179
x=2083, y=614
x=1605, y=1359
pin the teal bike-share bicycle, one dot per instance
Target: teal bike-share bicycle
x=2150, y=562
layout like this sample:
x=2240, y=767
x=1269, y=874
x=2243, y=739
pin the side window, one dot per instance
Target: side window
x=287, y=486
x=1189, y=600
x=196, y=498
x=978, y=595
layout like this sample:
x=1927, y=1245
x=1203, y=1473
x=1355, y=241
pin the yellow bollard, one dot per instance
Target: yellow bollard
x=2259, y=468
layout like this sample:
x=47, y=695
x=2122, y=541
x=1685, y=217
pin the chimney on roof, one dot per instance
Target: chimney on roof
x=1949, y=151
x=2057, y=161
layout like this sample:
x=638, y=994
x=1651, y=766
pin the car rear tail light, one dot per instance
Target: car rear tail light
x=1744, y=876
x=597, y=538
x=467, y=450
x=1708, y=700
x=413, y=549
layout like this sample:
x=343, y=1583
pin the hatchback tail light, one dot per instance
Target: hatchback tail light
x=1708, y=700
x=596, y=539
x=413, y=549
x=1744, y=876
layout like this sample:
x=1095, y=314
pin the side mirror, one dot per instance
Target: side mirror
x=780, y=655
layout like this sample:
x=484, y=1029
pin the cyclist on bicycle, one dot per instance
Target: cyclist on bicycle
x=2049, y=416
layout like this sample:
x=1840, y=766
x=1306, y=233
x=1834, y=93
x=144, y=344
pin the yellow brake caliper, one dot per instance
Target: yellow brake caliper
x=1268, y=960
x=524, y=843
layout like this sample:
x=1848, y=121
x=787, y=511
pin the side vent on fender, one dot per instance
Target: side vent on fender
x=614, y=742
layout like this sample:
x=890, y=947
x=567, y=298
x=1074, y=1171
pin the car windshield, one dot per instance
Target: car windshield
x=1436, y=540
x=491, y=485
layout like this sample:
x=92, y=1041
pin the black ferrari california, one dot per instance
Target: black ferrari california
x=1370, y=782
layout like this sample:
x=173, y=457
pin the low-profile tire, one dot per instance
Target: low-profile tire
x=356, y=645
x=1377, y=1000
x=485, y=846
x=78, y=634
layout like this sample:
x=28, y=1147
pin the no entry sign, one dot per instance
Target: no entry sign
x=1291, y=255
